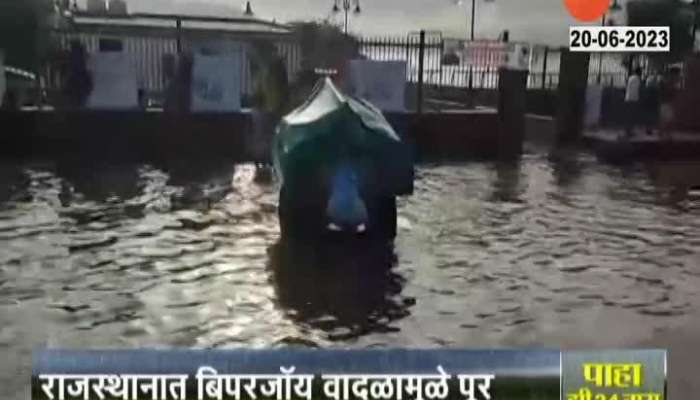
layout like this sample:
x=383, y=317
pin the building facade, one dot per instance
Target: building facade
x=154, y=40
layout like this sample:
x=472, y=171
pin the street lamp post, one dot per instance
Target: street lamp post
x=472, y=24
x=473, y=20
x=346, y=6
x=614, y=7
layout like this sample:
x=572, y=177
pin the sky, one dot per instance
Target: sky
x=535, y=21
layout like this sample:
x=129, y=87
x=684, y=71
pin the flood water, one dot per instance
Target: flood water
x=553, y=251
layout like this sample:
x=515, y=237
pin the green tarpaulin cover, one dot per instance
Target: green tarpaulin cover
x=331, y=128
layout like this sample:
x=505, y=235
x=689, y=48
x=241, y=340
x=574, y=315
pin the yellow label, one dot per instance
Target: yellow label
x=613, y=375
x=582, y=394
x=642, y=396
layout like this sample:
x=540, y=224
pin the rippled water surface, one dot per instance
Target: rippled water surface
x=488, y=254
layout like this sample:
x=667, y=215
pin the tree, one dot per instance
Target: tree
x=24, y=34
x=323, y=46
x=450, y=58
x=269, y=77
x=678, y=15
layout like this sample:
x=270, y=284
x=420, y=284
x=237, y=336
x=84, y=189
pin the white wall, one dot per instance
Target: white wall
x=148, y=53
x=216, y=82
x=382, y=83
x=114, y=82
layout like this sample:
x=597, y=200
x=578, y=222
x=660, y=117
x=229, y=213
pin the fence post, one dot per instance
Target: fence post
x=178, y=30
x=442, y=54
x=408, y=50
x=421, y=53
x=471, y=79
x=512, y=105
x=544, y=67
x=571, y=97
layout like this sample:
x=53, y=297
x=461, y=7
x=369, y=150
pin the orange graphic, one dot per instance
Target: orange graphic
x=587, y=10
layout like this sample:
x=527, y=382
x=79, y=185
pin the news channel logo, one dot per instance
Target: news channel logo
x=614, y=375
x=587, y=10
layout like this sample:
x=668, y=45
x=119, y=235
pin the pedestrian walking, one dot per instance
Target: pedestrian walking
x=632, y=103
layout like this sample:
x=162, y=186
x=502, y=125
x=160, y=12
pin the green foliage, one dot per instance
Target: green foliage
x=270, y=77
x=24, y=36
x=676, y=14
x=324, y=45
x=450, y=58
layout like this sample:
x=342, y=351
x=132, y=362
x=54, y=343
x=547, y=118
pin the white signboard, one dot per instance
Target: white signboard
x=216, y=83
x=382, y=83
x=485, y=53
x=594, y=98
x=114, y=82
x=2, y=77
x=517, y=57
x=496, y=53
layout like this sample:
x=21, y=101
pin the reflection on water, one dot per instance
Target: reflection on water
x=488, y=254
x=344, y=289
x=566, y=166
x=506, y=186
x=683, y=180
x=97, y=183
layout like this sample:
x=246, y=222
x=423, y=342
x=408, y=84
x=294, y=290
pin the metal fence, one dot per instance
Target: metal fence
x=150, y=52
x=609, y=69
x=407, y=48
x=613, y=69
